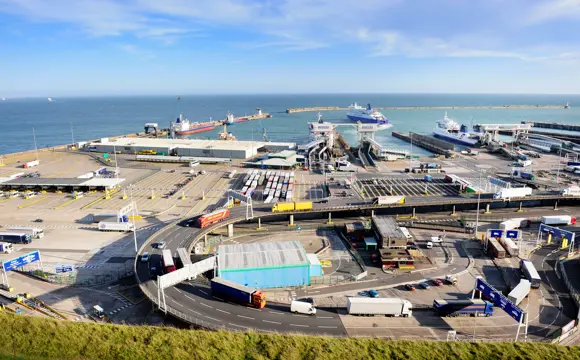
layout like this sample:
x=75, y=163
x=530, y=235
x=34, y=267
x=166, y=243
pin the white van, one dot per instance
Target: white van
x=302, y=307
x=429, y=245
x=436, y=239
x=406, y=233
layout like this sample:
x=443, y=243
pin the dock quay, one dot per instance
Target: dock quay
x=426, y=142
x=392, y=108
x=552, y=125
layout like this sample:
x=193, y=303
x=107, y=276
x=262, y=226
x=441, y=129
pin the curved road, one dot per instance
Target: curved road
x=194, y=299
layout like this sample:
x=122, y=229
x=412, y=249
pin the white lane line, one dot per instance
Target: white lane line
x=175, y=302
x=206, y=305
x=251, y=308
x=325, y=317
x=189, y=297
x=276, y=312
x=245, y=327
x=299, y=325
x=227, y=312
x=299, y=315
x=195, y=312
x=176, y=289
x=246, y=317
x=215, y=297
x=203, y=292
x=209, y=317
x=272, y=322
x=328, y=327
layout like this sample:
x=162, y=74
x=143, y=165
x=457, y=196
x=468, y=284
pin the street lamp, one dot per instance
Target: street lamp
x=72, y=133
x=482, y=169
x=133, y=216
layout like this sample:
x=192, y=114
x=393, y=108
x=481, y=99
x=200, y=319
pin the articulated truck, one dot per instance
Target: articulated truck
x=452, y=307
x=559, y=220
x=116, y=226
x=507, y=194
x=240, y=294
x=379, y=306
x=389, y=200
x=292, y=206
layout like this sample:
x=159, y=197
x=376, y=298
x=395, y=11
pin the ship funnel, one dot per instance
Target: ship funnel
x=368, y=106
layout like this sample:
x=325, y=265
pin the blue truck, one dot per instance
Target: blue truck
x=15, y=238
x=428, y=178
x=238, y=293
x=471, y=307
x=527, y=176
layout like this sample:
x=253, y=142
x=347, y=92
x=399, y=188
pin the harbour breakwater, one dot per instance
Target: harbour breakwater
x=336, y=108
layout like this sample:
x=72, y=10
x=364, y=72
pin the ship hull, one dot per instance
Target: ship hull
x=456, y=140
x=195, y=130
x=367, y=120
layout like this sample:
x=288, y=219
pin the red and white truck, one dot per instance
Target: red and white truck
x=559, y=220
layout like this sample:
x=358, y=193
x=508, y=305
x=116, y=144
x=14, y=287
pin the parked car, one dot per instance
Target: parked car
x=38, y=220
x=145, y=257
x=424, y=285
x=437, y=282
x=410, y=287
x=373, y=293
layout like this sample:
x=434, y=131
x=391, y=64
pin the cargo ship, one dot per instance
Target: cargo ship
x=185, y=127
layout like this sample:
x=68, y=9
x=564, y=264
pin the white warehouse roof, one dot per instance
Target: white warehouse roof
x=261, y=255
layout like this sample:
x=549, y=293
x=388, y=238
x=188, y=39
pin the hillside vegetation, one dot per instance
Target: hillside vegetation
x=38, y=338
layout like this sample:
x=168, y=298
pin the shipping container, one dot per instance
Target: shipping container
x=452, y=307
x=559, y=220
x=520, y=292
x=510, y=247
x=379, y=306
x=514, y=224
x=116, y=226
x=494, y=249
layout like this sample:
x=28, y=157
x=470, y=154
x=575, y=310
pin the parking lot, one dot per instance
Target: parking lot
x=372, y=188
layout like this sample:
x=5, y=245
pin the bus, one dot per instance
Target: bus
x=530, y=272
x=168, y=264
x=35, y=233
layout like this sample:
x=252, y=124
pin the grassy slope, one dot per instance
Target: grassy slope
x=37, y=338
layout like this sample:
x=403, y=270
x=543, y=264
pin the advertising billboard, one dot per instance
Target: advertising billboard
x=497, y=298
x=21, y=261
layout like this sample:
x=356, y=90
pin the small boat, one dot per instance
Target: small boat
x=49, y=99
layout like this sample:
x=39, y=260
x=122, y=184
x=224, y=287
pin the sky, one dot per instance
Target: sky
x=135, y=47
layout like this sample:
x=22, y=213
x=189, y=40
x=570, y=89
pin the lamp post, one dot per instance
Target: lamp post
x=72, y=134
x=133, y=216
x=482, y=169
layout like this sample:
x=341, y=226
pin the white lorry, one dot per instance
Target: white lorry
x=559, y=220
x=116, y=226
x=512, y=224
x=520, y=292
x=379, y=306
x=571, y=191
x=302, y=307
x=507, y=194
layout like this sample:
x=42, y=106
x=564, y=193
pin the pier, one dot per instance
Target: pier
x=337, y=108
x=551, y=125
x=426, y=142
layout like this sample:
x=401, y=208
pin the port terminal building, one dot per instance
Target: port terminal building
x=65, y=184
x=267, y=265
x=186, y=147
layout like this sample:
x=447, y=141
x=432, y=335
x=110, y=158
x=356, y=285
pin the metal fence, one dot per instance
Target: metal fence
x=330, y=279
x=79, y=277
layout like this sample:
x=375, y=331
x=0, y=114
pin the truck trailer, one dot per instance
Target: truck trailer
x=559, y=220
x=15, y=238
x=35, y=233
x=238, y=293
x=571, y=191
x=516, y=223
x=389, y=200
x=292, y=206
x=507, y=194
x=379, y=306
x=116, y=226
x=452, y=307
x=520, y=292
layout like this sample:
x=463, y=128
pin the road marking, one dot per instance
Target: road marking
x=299, y=325
x=276, y=312
x=189, y=297
x=206, y=305
x=203, y=292
x=246, y=317
x=328, y=327
x=300, y=315
x=238, y=325
x=325, y=317
x=177, y=303
x=195, y=312
x=272, y=322
x=215, y=297
x=179, y=291
x=209, y=317
x=227, y=312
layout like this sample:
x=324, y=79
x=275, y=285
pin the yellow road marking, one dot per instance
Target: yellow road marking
x=32, y=202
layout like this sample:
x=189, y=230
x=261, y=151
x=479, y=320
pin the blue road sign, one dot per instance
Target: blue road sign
x=64, y=268
x=557, y=232
x=495, y=233
x=499, y=300
x=512, y=234
x=21, y=261
x=499, y=182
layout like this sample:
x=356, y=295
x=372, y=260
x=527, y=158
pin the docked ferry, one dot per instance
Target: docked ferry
x=451, y=131
x=366, y=115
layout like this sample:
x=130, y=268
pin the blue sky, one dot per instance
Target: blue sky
x=97, y=47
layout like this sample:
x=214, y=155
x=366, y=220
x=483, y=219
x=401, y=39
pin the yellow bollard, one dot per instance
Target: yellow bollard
x=564, y=243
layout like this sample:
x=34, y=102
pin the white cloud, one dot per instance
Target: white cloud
x=554, y=9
